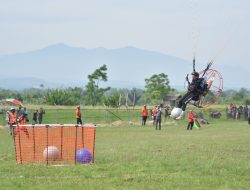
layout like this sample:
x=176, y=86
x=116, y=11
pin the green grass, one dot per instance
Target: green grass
x=96, y=115
x=66, y=114
x=134, y=157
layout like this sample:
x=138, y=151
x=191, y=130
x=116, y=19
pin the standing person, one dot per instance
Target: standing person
x=35, y=114
x=12, y=119
x=158, y=118
x=191, y=119
x=25, y=113
x=40, y=115
x=248, y=114
x=22, y=120
x=154, y=112
x=20, y=111
x=78, y=115
x=144, y=115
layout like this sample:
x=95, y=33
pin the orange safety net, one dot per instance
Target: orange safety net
x=31, y=142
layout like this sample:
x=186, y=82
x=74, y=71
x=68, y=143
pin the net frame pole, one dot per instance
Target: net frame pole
x=47, y=142
x=34, y=144
x=61, y=141
x=14, y=138
x=75, y=142
x=93, y=160
x=82, y=137
x=19, y=139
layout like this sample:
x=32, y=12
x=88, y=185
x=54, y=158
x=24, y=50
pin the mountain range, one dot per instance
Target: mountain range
x=60, y=65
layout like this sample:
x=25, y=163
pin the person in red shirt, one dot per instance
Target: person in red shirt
x=144, y=114
x=191, y=119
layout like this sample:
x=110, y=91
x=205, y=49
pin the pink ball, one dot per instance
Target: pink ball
x=51, y=153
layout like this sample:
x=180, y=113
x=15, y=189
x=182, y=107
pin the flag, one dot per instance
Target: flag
x=197, y=124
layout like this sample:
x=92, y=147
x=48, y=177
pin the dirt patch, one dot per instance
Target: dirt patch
x=117, y=123
x=3, y=126
x=122, y=123
x=171, y=123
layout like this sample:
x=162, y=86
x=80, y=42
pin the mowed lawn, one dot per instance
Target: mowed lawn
x=216, y=156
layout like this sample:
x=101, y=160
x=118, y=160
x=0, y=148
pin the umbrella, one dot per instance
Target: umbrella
x=11, y=101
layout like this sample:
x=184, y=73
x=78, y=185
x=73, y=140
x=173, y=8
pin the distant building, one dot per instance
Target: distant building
x=171, y=99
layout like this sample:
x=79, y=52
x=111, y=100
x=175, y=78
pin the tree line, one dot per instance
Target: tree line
x=94, y=93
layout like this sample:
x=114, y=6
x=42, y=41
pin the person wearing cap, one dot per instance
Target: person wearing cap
x=12, y=119
x=78, y=115
x=144, y=114
x=194, y=91
x=191, y=119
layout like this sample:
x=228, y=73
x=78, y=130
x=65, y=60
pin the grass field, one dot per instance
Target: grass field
x=216, y=156
x=96, y=115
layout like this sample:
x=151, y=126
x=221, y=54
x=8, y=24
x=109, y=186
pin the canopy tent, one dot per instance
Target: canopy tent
x=11, y=101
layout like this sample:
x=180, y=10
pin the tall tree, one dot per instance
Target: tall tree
x=134, y=96
x=94, y=92
x=156, y=88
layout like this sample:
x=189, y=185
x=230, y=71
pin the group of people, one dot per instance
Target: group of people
x=20, y=117
x=38, y=116
x=240, y=112
x=156, y=114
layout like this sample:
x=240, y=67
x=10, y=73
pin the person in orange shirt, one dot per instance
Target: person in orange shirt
x=22, y=121
x=191, y=119
x=12, y=119
x=144, y=114
x=78, y=115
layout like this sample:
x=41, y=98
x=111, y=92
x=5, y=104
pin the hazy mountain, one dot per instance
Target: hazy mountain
x=65, y=65
x=19, y=83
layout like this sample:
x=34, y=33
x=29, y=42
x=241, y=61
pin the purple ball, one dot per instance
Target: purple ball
x=83, y=156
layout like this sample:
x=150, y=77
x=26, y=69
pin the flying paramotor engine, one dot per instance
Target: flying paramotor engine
x=214, y=81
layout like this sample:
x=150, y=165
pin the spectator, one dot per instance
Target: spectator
x=25, y=114
x=248, y=116
x=22, y=120
x=158, y=118
x=191, y=119
x=22, y=117
x=154, y=112
x=12, y=119
x=40, y=115
x=35, y=114
x=144, y=115
x=167, y=111
x=20, y=111
x=78, y=115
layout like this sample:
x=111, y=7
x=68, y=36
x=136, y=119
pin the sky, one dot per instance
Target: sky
x=216, y=30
